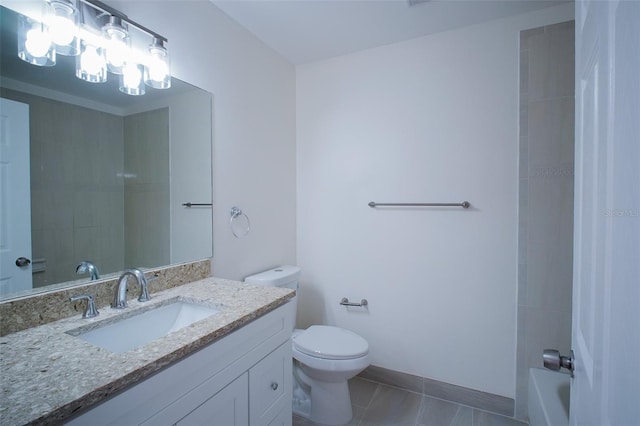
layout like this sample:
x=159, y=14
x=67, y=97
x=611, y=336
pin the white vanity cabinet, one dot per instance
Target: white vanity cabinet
x=242, y=379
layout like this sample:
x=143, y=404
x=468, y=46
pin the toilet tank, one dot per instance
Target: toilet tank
x=282, y=276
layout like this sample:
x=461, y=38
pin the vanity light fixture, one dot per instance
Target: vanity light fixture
x=101, y=39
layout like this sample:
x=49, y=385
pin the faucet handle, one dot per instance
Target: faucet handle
x=144, y=292
x=144, y=288
x=91, y=311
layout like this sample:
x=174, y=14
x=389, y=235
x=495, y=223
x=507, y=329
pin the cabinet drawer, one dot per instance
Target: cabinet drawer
x=270, y=384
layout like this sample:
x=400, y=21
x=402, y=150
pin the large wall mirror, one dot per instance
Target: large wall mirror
x=108, y=174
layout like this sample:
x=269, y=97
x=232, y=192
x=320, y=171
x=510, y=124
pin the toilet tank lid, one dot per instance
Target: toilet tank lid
x=276, y=276
x=323, y=341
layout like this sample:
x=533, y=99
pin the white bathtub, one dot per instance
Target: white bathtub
x=548, y=398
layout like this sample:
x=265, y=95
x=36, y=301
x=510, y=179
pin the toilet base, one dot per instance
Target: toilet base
x=329, y=403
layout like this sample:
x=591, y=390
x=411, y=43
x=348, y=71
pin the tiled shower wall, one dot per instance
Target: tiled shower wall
x=545, y=238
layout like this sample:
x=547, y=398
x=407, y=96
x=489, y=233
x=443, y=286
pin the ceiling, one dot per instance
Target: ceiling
x=306, y=31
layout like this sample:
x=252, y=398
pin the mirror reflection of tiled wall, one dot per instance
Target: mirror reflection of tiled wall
x=77, y=193
x=146, y=189
x=99, y=188
x=545, y=238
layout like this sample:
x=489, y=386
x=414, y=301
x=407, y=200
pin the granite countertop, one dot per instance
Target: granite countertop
x=46, y=375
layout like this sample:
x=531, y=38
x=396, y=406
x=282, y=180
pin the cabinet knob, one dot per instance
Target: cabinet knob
x=274, y=386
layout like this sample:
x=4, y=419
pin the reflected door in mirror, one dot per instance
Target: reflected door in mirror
x=15, y=200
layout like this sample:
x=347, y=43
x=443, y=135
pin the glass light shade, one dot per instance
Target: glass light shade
x=157, y=71
x=118, y=44
x=131, y=81
x=34, y=43
x=91, y=64
x=62, y=22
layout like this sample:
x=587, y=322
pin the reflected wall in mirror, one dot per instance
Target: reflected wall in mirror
x=108, y=173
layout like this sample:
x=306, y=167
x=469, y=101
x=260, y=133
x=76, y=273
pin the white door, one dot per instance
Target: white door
x=606, y=287
x=15, y=198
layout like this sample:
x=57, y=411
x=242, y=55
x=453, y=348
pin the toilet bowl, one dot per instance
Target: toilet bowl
x=324, y=359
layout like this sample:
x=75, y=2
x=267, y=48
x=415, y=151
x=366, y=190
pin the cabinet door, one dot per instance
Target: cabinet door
x=229, y=407
x=270, y=386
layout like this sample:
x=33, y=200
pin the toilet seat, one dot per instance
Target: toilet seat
x=331, y=343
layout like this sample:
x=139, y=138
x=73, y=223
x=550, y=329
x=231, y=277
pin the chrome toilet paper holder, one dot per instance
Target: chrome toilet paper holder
x=345, y=302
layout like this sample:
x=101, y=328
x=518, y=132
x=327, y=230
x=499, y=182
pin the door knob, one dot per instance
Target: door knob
x=22, y=262
x=552, y=360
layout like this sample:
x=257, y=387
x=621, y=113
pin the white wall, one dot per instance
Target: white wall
x=253, y=127
x=433, y=119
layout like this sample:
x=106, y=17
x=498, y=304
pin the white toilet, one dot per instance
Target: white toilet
x=325, y=358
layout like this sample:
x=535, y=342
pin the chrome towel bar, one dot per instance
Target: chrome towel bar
x=345, y=302
x=464, y=204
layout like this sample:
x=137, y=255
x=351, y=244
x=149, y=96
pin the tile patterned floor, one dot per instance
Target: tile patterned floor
x=376, y=404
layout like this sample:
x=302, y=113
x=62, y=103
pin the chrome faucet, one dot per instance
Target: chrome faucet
x=88, y=266
x=120, y=297
x=91, y=310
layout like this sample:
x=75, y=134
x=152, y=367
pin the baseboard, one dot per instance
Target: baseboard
x=482, y=400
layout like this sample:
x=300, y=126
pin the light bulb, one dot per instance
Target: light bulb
x=91, y=61
x=34, y=43
x=62, y=30
x=131, y=75
x=158, y=69
x=38, y=42
x=131, y=79
x=117, y=53
x=118, y=48
x=157, y=73
x=61, y=19
x=91, y=65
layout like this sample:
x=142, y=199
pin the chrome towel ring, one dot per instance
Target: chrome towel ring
x=239, y=223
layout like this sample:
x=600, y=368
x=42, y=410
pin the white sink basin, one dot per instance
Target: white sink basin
x=134, y=331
